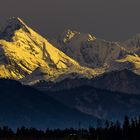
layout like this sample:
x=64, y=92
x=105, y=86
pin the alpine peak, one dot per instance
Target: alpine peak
x=23, y=51
x=13, y=24
x=69, y=34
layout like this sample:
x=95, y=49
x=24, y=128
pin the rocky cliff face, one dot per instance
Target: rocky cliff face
x=100, y=54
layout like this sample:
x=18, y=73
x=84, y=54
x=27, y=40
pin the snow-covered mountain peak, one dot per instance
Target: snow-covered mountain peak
x=15, y=21
x=71, y=35
x=91, y=37
x=68, y=35
x=13, y=24
x=23, y=51
x=26, y=54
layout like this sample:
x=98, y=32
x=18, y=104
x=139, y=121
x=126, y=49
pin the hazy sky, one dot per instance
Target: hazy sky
x=108, y=19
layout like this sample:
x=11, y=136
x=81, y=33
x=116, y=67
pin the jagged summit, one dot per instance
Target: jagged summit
x=67, y=35
x=12, y=24
x=70, y=35
x=22, y=51
x=88, y=50
x=16, y=21
x=24, y=54
x=105, y=55
x=132, y=45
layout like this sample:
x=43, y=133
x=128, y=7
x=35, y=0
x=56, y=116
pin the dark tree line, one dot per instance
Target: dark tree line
x=129, y=130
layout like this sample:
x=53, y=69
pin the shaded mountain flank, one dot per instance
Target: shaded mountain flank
x=22, y=105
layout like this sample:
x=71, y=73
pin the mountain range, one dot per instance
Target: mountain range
x=27, y=56
x=24, y=106
x=102, y=104
x=123, y=81
x=81, y=73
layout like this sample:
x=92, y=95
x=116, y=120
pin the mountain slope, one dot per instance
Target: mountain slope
x=132, y=44
x=30, y=58
x=22, y=105
x=100, y=103
x=22, y=51
x=123, y=81
x=100, y=54
x=88, y=50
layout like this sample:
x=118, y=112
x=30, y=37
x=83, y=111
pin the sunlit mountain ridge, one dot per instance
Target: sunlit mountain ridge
x=24, y=51
x=27, y=56
x=99, y=53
